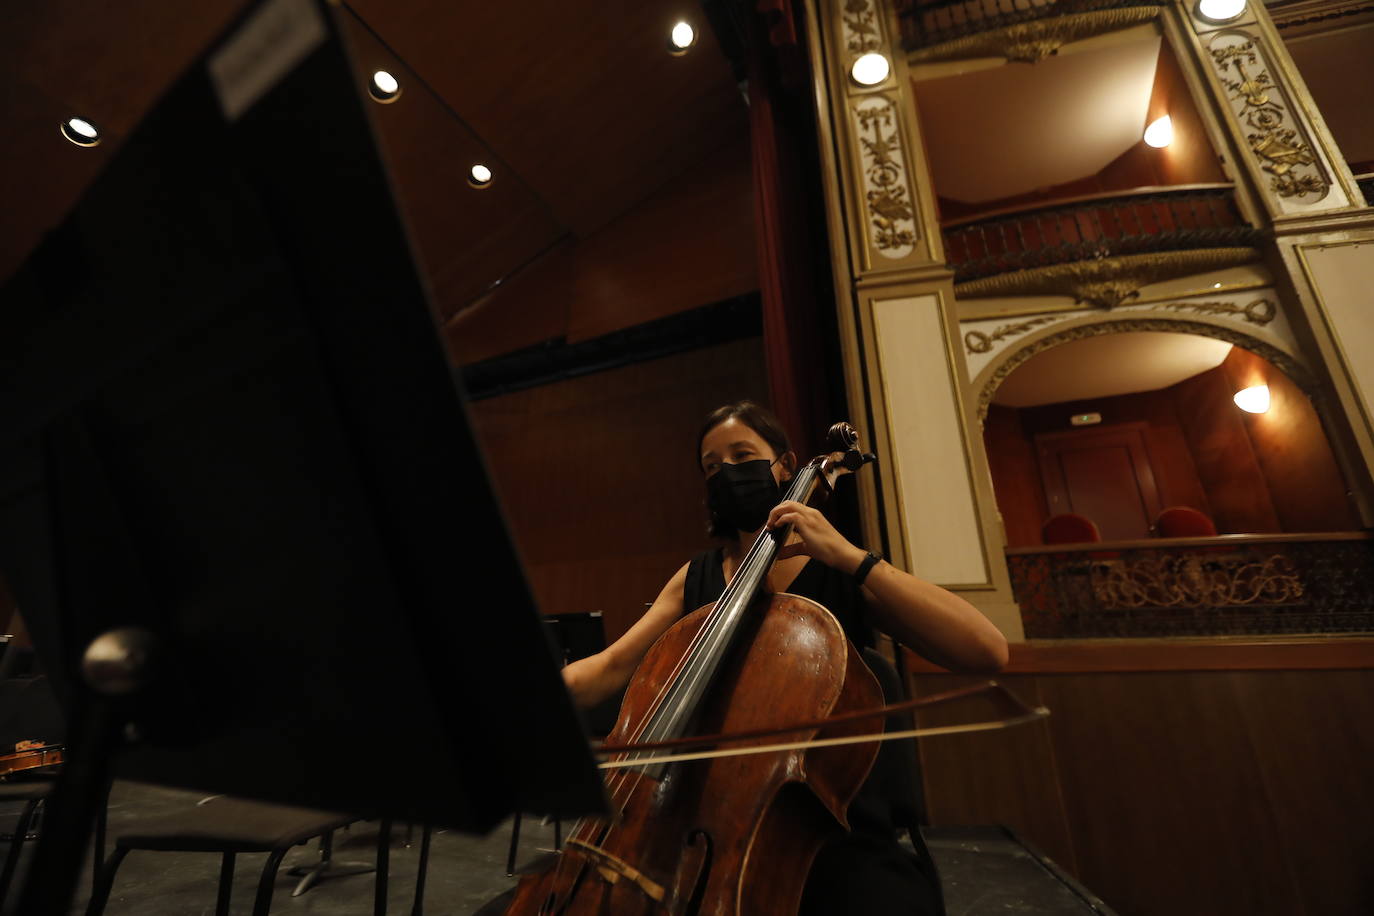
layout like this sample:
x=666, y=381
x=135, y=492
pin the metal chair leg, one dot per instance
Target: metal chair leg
x=226, y=884
x=263, y=902
x=383, y=864
x=417, y=908
x=514, y=844
x=101, y=895
x=21, y=833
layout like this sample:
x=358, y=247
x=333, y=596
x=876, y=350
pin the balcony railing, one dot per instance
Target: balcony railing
x=1223, y=586
x=925, y=24
x=1097, y=226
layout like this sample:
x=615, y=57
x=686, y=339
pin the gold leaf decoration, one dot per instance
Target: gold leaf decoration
x=1195, y=580
x=1029, y=42
x=1105, y=282
x=978, y=342
x=1279, y=148
x=887, y=198
x=861, y=27
x=1261, y=311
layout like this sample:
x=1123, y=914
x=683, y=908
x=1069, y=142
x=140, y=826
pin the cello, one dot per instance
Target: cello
x=737, y=834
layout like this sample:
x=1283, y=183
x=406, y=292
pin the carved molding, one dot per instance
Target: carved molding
x=1260, y=312
x=1285, y=363
x=859, y=23
x=1283, y=151
x=888, y=202
x=1029, y=42
x=1196, y=580
x=1105, y=282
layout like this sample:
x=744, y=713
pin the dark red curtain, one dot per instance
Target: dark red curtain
x=793, y=257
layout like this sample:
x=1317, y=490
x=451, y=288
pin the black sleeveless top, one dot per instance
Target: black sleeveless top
x=829, y=588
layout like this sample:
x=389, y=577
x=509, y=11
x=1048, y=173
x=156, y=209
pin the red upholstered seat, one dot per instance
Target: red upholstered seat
x=1183, y=522
x=1069, y=528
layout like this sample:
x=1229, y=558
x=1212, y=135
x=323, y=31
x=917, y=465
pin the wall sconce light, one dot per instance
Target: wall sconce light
x=870, y=69
x=81, y=132
x=681, y=39
x=1254, y=399
x=1220, y=10
x=383, y=87
x=1160, y=133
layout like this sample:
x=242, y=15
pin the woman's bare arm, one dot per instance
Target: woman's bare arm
x=598, y=677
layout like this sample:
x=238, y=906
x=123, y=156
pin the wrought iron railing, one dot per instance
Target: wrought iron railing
x=1098, y=226
x=925, y=24
x=1224, y=586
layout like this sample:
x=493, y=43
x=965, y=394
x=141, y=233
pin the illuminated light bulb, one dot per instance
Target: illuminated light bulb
x=1220, y=10
x=1254, y=399
x=682, y=37
x=870, y=69
x=1160, y=133
x=81, y=132
x=479, y=176
x=384, y=87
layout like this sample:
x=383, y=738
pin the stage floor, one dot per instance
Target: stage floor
x=985, y=871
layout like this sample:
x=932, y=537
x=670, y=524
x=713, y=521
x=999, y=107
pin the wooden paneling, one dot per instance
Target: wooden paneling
x=1189, y=159
x=1079, y=657
x=1015, y=479
x=691, y=244
x=1304, y=481
x=1103, y=473
x=1181, y=791
x=599, y=478
x=582, y=100
x=1223, y=455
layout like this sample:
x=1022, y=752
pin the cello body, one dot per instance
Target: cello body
x=730, y=835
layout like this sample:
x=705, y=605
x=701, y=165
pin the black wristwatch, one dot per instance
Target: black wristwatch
x=870, y=561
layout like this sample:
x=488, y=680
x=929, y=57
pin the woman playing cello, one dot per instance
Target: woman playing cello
x=745, y=459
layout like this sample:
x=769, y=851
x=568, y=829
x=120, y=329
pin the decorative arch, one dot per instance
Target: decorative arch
x=991, y=378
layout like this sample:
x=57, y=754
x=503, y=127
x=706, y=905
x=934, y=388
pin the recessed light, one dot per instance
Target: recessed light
x=1254, y=399
x=479, y=176
x=1220, y=10
x=681, y=38
x=81, y=132
x=870, y=69
x=384, y=87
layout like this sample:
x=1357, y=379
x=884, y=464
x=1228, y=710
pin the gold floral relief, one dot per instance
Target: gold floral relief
x=1282, y=151
x=859, y=21
x=890, y=212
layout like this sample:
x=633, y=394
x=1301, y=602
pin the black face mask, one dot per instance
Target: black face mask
x=742, y=495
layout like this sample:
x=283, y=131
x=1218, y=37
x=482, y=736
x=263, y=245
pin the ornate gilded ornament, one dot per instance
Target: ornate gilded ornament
x=978, y=342
x=1261, y=311
x=1285, y=363
x=1030, y=42
x=860, y=20
x=1105, y=282
x=887, y=194
x=1282, y=153
x=1195, y=580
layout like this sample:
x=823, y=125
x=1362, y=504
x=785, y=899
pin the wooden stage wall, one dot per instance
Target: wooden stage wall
x=1178, y=778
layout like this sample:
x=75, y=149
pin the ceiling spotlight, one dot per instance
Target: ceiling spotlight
x=681, y=38
x=81, y=132
x=870, y=69
x=479, y=176
x=1220, y=10
x=383, y=87
x=1160, y=133
x=1254, y=399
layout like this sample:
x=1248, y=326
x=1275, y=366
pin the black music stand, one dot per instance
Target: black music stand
x=238, y=482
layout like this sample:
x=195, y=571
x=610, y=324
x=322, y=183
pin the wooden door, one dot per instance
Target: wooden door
x=1103, y=473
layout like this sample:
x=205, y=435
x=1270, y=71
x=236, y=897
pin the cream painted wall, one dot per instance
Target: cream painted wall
x=1342, y=276
x=934, y=491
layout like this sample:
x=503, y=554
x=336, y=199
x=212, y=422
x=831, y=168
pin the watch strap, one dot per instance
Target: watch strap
x=870, y=560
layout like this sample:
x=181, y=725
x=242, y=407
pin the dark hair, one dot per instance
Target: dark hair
x=760, y=420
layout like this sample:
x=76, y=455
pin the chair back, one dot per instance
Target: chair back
x=1069, y=528
x=1183, y=522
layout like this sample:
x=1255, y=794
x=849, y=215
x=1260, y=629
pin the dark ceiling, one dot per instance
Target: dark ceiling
x=578, y=108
